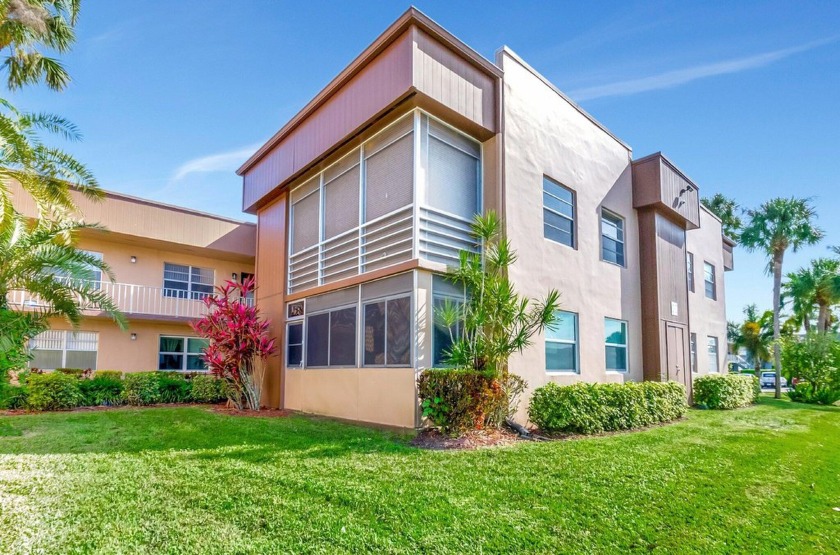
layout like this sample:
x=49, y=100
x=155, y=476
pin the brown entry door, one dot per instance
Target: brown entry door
x=675, y=338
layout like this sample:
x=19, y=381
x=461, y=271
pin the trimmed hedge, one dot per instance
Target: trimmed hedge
x=456, y=400
x=141, y=388
x=114, y=374
x=591, y=408
x=78, y=373
x=101, y=390
x=726, y=391
x=173, y=388
x=53, y=391
x=207, y=389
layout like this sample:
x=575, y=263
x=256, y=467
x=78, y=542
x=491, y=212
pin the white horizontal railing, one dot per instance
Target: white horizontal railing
x=376, y=244
x=133, y=299
x=443, y=236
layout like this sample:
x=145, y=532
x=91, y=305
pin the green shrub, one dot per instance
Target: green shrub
x=725, y=391
x=207, y=389
x=53, y=391
x=590, y=408
x=173, y=388
x=815, y=362
x=456, y=400
x=101, y=390
x=113, y=374
x=77, y=373
x=141, y=388
x=804, y=392
x=13, y=397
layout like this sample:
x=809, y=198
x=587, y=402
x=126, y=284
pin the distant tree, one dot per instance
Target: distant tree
x=816, y=285
x=774, y=227
x=29, y=26
x=755, y=335
x=727, y=210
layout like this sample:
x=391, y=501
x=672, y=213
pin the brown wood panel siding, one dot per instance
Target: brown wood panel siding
x=651, y=332
x=679, y=195
x=728, y=257
x=449, y=79
x=385, y=80
x=271, y=248
x=271, y=285
x=658, y=183
x=671, y=270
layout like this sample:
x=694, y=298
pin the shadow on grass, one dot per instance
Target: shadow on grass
x=207, y=434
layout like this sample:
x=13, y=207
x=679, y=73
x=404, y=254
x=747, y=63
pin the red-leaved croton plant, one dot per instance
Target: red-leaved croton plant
x=239, y=342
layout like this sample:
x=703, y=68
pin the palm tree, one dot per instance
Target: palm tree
x=776, y=226
x=26, y=27
x=755, y=335
x=39, y=257
x=798, y=292
x=817, y=285
x=727, y=210
x=46, y=173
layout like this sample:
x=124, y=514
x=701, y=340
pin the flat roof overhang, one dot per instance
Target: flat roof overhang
x=414, y=60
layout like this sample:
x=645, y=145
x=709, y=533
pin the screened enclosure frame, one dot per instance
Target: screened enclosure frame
x=399, y=209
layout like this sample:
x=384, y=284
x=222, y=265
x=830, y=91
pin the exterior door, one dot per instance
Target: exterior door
x=677, y=370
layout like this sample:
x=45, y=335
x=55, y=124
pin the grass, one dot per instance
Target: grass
x=185, y=480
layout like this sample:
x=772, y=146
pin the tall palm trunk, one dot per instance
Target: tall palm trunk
x=778, y=259
x=822, y=319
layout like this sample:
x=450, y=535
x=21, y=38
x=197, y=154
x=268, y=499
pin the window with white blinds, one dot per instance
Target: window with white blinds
x=64, y=349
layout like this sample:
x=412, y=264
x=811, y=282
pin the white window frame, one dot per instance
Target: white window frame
x=361, y=336
x=573, y=204
x=712, y=340
x=302, y=323
x=625, y=346
x=619, y=224
x=692, y=352
x=689, y=265
x=707, y=281
x=575, y=342
x=189, y=290
x=184, y=353
x=63, y=336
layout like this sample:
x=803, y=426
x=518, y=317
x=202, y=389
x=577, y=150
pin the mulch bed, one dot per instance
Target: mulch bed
x=434, y=440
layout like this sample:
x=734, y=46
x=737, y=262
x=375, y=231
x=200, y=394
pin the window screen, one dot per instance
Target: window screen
x=64, y=349
x=453, y=173
x=341, y=202
x=389, y=178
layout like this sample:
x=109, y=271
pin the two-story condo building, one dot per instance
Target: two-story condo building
x=166, y=260
x=365, y=198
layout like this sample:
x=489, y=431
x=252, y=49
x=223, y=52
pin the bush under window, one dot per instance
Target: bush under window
x=207, y=389
x=101, y=390
x=456, y=400
x=726, y=391
x=591, y=408
x=141, y=388
x=53, y=391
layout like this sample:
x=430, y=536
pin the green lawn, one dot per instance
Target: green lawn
x=172, y=480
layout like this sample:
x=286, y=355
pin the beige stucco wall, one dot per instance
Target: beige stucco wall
x=377, y=395
x=148, y=270
x=116, y=349
x=707, y=317
x=546, y=135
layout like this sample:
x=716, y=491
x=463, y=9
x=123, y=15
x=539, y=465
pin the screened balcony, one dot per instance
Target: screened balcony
x=409, y=192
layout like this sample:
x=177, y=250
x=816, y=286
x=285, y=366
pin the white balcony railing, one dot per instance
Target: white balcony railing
x=133, y=300
x=388, y=240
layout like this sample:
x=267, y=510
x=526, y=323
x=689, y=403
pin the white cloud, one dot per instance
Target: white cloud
x=678, y=77
x=221, y=162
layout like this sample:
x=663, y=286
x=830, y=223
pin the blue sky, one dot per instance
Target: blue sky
x=744, y=96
